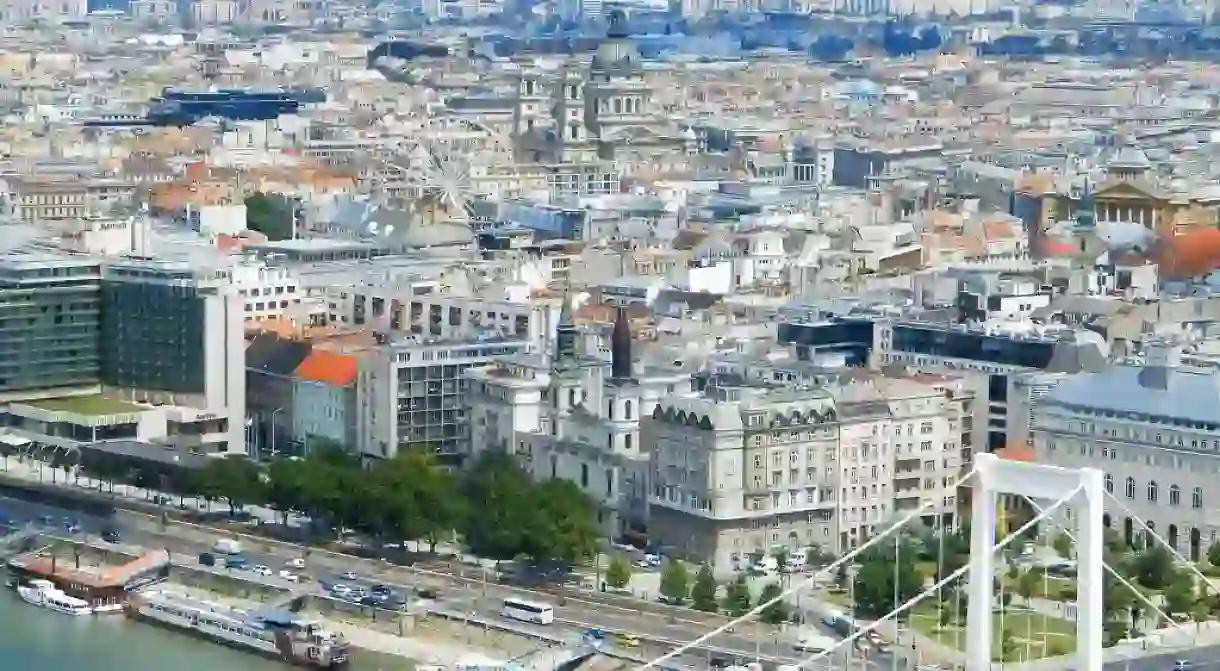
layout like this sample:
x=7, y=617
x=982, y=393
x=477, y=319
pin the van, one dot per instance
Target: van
x=236, y=562
x=207, y=559
x=227, y=546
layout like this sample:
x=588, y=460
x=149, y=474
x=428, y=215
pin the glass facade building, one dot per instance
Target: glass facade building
x=152, y=329
x=49, y=324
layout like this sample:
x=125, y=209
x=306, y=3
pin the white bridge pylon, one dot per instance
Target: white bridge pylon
x=994, y=476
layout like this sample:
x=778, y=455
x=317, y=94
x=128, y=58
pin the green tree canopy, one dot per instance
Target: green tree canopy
x=675, y=582
x=270, y=214
x=561, y=525
x=618, y=573
x=1213, y=554
x=1180, y=595
x=703, y=594
x=776, y=613
x=737, y=596
x=883, y=583
x=1154, y=567
x=499, y=501
x=236, y=480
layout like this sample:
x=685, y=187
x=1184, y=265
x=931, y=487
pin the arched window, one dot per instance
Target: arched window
x=1110, y=483
x=1130, y=488
x=627, y=410
x=1152, y=491
x=1196, y=497
x=1175, y=495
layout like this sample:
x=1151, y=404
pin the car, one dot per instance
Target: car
x=46, y=520
x=259, y=569
x=358, y=593
x=381, y=589
x=111, y=536
x=296, y=562
x=629, y=640
x=348, y=575
x=340, y=590
x=1183, y=665
x=429, y=593
x=207, y=559
x=290, y=576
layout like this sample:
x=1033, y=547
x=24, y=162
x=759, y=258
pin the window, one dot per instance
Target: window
x=1130, y=488
x=1175, y=495
x=1196, y=498
x=627, y=410
x=1152, y=491
x=1110, y=484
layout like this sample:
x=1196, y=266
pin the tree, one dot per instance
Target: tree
x=875, y=590
x=1154, y=567
x=1180, y=595
x=285, y=490
x=236, y=480
x=946, y=614
x=703, y=594
x=737, y=597
x=1063, y=546
x=270, y=214
x=419, y=497
x=561, y=524
x=776, y=613
x=1027, y=584
x=1213, y=554
x=841, y=577
x=675, y=582
x=618, y=573
x=498, y=499
x=780, y=554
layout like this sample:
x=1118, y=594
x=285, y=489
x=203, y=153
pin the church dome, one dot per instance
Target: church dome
x=617, y=52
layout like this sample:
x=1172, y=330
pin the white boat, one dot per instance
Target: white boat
x=45, y=594
x=279, y=636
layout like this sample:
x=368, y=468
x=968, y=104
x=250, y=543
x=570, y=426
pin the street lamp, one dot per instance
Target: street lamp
x=273, y=450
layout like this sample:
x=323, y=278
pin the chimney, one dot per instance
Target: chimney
x=1160, y=360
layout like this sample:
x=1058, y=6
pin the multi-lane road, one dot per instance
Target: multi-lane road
x=658, y=628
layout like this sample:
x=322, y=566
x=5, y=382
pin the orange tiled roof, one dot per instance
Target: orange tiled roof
x=338, y=370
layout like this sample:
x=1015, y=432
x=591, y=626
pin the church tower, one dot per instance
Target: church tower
x=621, y=394
x=566, y=390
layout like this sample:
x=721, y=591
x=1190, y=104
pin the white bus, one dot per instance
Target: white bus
x=528, y=611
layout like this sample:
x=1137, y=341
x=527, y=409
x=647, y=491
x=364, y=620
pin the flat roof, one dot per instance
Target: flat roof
x=95, y=405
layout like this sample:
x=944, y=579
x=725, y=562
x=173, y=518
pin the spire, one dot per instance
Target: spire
x=620, y=348
x=565, y=332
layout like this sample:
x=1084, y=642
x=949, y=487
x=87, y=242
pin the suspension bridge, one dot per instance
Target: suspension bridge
x=1070, y=502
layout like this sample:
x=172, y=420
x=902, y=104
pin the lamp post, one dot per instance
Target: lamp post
x=273, y=451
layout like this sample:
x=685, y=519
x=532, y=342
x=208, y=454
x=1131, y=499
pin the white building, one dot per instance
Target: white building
x=411, y=393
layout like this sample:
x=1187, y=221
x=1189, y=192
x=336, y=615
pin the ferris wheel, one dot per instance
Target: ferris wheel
x=454, y=163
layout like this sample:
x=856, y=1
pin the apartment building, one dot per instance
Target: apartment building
x=34, y=200
x=272, y=292
x=1155, y=431
x=411, y=393
x=746, y=467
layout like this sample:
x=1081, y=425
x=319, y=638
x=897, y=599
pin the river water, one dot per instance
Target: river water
x=32, y=638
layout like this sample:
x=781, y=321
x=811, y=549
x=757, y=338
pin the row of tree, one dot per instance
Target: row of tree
x=678, y=589
x=495, y=507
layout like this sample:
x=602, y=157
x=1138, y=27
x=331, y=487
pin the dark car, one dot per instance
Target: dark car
x=381, y=589
x=111, y=536
x=429, y=593
x=207, y=559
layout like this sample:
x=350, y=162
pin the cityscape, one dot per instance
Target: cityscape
x=510, y=335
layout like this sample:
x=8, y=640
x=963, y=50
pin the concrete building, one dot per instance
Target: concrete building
x=1155, y=431
x=411, y=393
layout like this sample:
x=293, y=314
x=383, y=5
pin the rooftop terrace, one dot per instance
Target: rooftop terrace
x=95, y=405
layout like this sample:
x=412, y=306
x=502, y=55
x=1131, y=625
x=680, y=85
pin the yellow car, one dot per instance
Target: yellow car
x=629, y=640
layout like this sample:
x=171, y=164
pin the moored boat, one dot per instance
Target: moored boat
x=44, y=594
x=281, y=636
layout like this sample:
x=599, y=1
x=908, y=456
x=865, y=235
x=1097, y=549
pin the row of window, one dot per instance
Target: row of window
x=1154, y=490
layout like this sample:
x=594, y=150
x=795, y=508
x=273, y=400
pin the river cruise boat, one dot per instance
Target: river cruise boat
x=44, y=594
x=278, y=635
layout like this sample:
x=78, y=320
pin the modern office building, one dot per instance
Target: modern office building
x=411, y=393
x=50, y=322
x=995, y=354
x=135, y=349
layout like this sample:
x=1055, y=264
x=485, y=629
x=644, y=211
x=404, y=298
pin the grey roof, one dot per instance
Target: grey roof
x=1130, y=157
x=1183, y=394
